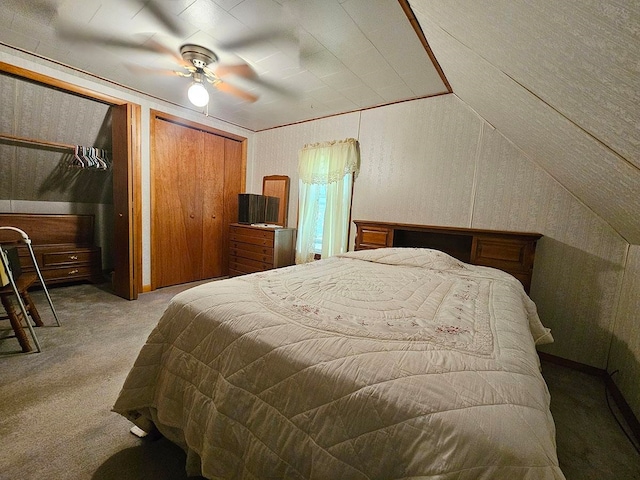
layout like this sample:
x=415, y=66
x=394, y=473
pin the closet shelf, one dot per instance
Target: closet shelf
x=33, y=141
x=83, y=157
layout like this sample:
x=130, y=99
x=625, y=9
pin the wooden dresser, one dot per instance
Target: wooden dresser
x=63, y=245
x=256, y=249
x=512, y=252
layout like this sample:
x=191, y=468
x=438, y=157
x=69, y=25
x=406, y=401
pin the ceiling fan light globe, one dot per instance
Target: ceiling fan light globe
x=198, y=94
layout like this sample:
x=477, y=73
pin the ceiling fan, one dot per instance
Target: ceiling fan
x=201, y=58
x=197, y=62
x=201, y=64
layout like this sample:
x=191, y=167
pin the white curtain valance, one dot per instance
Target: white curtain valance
x=328, y=162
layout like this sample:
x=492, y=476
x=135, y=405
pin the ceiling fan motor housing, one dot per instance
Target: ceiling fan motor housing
x=197, y=55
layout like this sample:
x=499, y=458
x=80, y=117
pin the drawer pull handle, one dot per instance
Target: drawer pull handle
x=73, y=257
x=73, y=272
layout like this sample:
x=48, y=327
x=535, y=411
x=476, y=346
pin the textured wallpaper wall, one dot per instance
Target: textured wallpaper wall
x=412, y=171
x=579, y=261
x=625, y=346
x=434, y=161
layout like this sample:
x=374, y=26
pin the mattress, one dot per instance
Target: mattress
x=393, y=363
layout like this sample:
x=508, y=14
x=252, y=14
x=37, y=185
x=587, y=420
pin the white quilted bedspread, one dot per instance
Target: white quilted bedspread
x=380, y=364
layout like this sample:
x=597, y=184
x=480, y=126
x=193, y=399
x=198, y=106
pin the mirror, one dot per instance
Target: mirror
x=278, y=186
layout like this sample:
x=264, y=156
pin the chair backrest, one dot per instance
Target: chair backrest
x=11, y=254
x=4, y=276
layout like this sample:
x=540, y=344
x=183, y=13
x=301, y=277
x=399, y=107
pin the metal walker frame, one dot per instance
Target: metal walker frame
x=7, y=267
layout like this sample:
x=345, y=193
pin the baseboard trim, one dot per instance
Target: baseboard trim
x=581, y=367
x=616, y=394
x=624, y=407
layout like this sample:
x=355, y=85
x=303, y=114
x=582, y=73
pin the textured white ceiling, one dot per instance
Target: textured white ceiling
x=319, y=57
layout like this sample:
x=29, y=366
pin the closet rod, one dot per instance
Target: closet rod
x=33, y=141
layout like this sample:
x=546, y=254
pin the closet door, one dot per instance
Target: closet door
x=126, y=234
x=212, y=188
x=177, y=171
x=234, y=175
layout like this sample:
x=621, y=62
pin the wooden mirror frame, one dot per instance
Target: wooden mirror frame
x=278, y=186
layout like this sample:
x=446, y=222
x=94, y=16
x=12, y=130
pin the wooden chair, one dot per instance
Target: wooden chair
x=16, y=289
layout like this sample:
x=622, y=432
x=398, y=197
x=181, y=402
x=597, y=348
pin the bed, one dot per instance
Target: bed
x=391, y=363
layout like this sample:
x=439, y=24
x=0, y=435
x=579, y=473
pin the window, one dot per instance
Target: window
x=319, y=227
x=326, y=174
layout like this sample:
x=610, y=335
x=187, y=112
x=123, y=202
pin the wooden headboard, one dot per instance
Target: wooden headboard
x=511, y=252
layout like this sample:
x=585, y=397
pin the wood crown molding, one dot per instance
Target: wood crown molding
x=59, y=84
x=157, y=114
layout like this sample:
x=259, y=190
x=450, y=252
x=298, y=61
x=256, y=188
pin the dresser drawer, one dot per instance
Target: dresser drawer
x=253, y=232
x=70, y=273
x=253, y=240
x=247, y=265
x=235, y=273
x=70, y=257
x=254, y=252
x=256, y=249
x=250, y=247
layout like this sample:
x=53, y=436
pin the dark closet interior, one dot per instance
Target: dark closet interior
x=37, y=171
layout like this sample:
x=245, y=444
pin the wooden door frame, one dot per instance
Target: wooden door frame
x=154, y=116
x=135, y=236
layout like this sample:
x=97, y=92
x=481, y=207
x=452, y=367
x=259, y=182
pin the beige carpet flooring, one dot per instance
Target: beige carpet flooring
x=55, y=406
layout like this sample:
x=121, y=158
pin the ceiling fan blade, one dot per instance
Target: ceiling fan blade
x=242, y=70
x=82, y=35
x=161, y=48
x=258, y=37
x=275, y=88
x=77, y=34
x=164, y=17
x=230, y=89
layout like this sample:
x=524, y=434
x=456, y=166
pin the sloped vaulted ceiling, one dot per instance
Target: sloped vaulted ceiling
x=561, y=80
